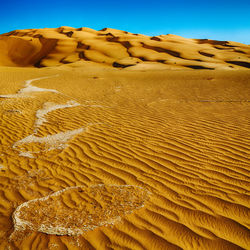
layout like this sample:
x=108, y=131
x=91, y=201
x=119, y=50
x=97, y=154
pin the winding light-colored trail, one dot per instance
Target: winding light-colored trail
x=28, y=88
x=157, y=169
x=55, y=141
x=49, y=107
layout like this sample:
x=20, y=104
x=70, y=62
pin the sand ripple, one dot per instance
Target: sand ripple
x=156, y=135
x=74, y=210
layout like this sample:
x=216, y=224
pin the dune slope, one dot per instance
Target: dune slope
x=120, y=49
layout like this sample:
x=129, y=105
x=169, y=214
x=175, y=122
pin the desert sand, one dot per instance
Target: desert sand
x=114, y=140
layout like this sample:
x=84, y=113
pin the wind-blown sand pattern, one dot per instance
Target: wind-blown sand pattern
x=29, y=89
x=56, y=141
x=123, y=158
x=49, y=107
x=100, y=205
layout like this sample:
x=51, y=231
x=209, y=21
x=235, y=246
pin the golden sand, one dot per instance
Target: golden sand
x=98, y=155
x=120, y=49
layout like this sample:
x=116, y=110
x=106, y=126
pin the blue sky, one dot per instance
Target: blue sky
x=221, y=20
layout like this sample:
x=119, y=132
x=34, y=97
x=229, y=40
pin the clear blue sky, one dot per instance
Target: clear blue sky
x=221, y=20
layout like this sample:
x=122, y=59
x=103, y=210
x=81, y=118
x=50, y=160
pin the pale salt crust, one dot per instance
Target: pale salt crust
x=12, y=96
x=26, y=154
x=49, y=107
x=28, y=88
x=21, y=225
x=53, y=141
x=56, y=141
x=118, y=89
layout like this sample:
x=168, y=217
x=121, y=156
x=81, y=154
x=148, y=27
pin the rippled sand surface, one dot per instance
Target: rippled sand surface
x=103, y=158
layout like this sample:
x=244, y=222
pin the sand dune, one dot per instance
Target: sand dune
x=120, y=49
x=109, y=150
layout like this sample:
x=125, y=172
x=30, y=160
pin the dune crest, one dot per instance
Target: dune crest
x=114, y=48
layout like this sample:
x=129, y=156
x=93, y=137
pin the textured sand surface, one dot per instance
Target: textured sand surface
x=98, y=157
x=120, y=49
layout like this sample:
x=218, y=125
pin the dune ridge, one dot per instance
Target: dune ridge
x=119, y=49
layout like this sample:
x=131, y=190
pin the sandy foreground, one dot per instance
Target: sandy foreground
x=124, y=154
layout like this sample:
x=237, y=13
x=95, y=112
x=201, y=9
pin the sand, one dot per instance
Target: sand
x=119, y=49
x=109, y=151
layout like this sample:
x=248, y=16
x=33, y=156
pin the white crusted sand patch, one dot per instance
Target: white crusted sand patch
x=28, y=88
x=96, y=206
x=28, y=82
x=49, y=107
x=26, y=154
x=13, y=96
x=56, y=141
x=117, y=89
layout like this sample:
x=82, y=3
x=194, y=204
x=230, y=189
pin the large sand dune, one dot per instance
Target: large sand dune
x=53, y=47
x=98, y=155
